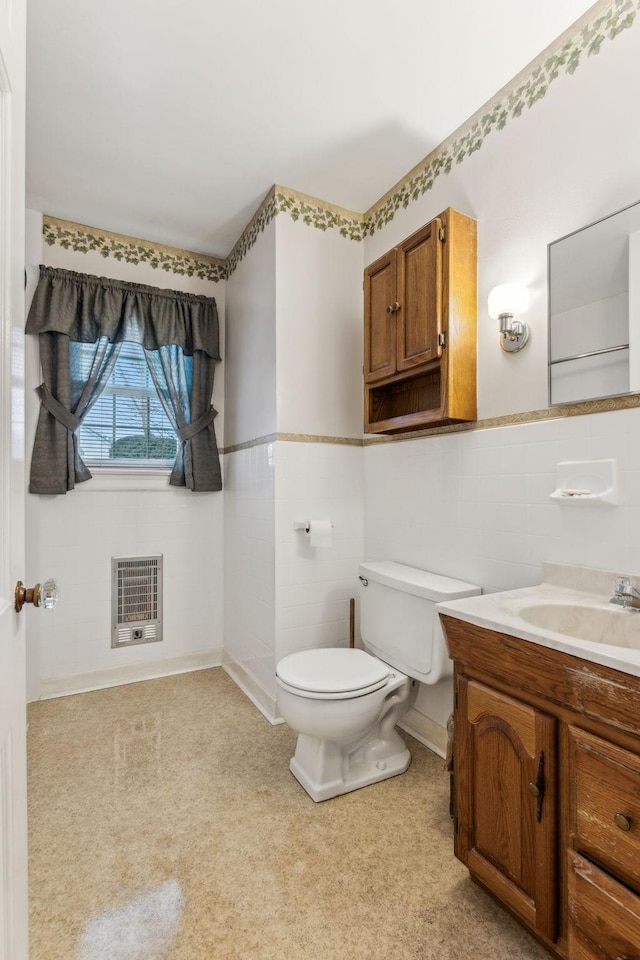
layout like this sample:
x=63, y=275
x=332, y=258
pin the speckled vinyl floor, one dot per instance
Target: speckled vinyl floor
x=165, y=825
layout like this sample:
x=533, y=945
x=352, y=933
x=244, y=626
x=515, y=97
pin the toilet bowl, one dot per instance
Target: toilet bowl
x=344, y=703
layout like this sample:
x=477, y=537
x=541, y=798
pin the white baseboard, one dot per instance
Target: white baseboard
x=134, y=673
x=427, y=731
x=259, y=697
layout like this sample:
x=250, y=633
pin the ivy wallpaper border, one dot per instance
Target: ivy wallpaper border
x=299, y=206
x=84, y=239
x=603, y=22
x=564, y=55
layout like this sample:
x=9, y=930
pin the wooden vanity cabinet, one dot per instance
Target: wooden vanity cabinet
x=420, y=329
x=506, y=796
x=546, y=794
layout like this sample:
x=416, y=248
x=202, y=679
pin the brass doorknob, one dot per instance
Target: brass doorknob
x=42, y=595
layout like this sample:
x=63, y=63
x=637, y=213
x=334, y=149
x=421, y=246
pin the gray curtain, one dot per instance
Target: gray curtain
x=184, y=385
x=73, y=308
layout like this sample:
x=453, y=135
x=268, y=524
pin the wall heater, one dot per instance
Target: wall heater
x=136, y=600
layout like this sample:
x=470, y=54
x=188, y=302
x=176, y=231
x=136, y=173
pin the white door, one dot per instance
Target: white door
x=13, y=799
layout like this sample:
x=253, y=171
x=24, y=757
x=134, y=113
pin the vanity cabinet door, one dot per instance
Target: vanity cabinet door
x=505, y=773
x=604, y=804
x=604, y=915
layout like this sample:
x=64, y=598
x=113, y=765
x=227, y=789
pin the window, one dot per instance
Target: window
x=98, y=399
x=127, y=425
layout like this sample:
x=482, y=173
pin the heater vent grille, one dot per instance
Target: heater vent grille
x=136, y=600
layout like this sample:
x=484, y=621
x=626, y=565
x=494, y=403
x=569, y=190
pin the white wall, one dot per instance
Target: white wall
x=319, y=331
x=476, y=505
x=570, y=159
x=249, y=509
x=249, y=571
x=250, y=363
x=473, y=505
x=293, y=366
x=314, y=584
x=73, y=537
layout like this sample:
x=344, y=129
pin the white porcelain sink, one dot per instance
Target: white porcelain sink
x=568, y=611
x=610, y=625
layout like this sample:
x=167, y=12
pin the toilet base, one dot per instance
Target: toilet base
x=325, y=770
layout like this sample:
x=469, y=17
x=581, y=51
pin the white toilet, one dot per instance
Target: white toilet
x=344, y=703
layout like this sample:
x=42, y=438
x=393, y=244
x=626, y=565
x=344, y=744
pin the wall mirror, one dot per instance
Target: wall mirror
x=594, y=310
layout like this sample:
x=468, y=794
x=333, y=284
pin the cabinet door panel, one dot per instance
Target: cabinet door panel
x=380, y=318
x=419, y=317
x=604, y=916
x=605, y=784
x=503, y=746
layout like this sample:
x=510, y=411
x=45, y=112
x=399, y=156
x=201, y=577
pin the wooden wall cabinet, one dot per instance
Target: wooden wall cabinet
x=420, y=302
x=546, y=794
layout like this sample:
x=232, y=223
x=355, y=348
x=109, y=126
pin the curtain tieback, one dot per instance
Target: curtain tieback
x=55, y=408
x=191, y=429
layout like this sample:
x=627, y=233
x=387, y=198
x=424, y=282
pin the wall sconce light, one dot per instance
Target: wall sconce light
x=506, y=302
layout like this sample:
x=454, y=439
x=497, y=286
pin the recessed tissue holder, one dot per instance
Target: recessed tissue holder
x=587, y=481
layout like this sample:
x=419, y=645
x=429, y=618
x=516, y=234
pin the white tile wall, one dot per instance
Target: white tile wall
x=314, y=584
x=74, y=537
x=249, y=567
x=476, y=505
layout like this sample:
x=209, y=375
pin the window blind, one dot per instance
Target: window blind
x=127, y=422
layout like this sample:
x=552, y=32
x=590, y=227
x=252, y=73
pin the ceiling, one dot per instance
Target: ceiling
x=171, y=121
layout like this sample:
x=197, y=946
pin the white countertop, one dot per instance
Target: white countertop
x=618, y=645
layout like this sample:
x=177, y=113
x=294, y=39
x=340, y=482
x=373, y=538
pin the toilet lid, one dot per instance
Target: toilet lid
x=339, y=670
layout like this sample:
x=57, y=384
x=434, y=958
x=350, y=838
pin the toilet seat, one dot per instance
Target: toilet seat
x=332, y=674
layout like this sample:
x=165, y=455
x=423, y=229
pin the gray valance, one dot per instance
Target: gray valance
x=179, y=335
x=85, y=308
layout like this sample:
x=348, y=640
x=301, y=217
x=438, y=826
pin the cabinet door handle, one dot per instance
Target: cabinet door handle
x=395, y=307
x=537, y=789
x=623, y=822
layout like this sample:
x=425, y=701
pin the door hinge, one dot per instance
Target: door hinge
x=442, y=339
x=455, y=699
x=442, y=234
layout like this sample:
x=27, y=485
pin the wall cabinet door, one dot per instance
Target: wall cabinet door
x=505, y=769
x=379, y=318
x=420, y=303
x=419, y=286
x=403, y=305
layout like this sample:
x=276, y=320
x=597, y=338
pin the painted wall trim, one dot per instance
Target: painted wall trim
x=426, y=730
x=132, y=673
x=586, y=407
x=256, y=442
x=82, y=239
x=259, y=697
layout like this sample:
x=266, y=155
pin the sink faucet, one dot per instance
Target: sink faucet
x=625, y=594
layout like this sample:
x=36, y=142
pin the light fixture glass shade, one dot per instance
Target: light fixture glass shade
x=508, y=298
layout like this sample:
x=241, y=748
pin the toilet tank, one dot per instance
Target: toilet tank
x=398, y=620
